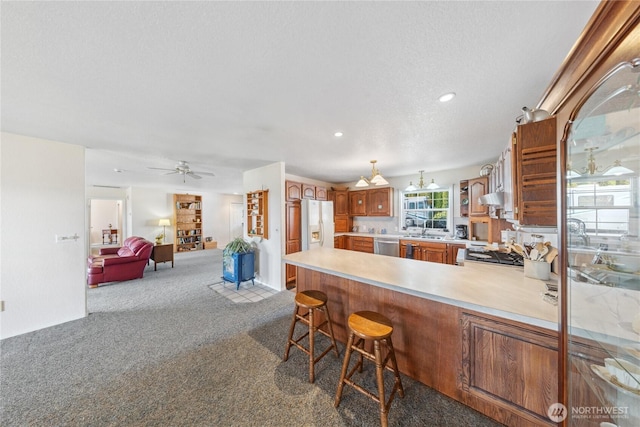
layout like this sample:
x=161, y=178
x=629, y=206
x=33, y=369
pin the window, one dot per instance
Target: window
x=426, y=209
x=602, y=204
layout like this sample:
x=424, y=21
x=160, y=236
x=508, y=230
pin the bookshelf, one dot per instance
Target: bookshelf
x=188, y=220
x=258, y=214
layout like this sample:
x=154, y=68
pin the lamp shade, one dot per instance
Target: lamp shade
x=164, y=223
x=362, y=183
x=617, y=169
x=433, y=185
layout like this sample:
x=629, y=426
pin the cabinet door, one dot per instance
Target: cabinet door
x=341, y=203
x=321, y=193
x=536, y=173
x=434, y=252
x=293, y=190
x=293, y=225
x=341, y=224
x=478, y=187
x=452, y=252
x=358, y=203
x=380, y=202
x=308, y=191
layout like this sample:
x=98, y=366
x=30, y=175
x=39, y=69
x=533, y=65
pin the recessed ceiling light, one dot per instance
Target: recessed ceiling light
x=447, y=97
x=117, y=170
x=338, y=134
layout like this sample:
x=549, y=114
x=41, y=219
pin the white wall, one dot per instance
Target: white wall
x=42, y=282
x=270, y=251
x=103, y=214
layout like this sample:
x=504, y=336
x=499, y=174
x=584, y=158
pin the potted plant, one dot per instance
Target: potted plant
x=238, y=261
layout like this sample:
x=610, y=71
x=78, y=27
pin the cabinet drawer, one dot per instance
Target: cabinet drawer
x=362, y=244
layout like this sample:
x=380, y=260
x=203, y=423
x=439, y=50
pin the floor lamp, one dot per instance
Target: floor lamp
x=164, y=223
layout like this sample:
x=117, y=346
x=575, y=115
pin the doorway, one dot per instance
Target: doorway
x=236, y=220
x=106, y=227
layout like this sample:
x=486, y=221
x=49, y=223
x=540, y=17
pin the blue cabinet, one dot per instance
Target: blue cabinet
x=239, y=268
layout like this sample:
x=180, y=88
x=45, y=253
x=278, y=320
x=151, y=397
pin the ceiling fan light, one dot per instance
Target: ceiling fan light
x=433, y=185
x=362, y=183
x=617, y=169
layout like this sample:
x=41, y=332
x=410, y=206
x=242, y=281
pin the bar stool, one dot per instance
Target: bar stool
x=312, y=301
x=369, y=325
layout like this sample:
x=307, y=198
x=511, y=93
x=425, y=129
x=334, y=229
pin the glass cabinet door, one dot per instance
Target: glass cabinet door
x=601, y=266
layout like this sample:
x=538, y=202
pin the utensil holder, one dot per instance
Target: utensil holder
x=537, y=269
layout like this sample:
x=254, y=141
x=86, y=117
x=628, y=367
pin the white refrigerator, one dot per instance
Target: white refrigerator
x=317, y=224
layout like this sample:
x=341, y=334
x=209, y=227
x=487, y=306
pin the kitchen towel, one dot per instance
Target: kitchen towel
x=409, y=252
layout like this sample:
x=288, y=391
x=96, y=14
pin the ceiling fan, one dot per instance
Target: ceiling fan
x=182, y=168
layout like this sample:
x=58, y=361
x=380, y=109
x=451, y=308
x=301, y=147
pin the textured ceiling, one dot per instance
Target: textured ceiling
x=230, y=86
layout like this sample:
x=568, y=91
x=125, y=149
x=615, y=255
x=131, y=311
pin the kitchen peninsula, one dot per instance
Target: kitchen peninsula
x=467, y=331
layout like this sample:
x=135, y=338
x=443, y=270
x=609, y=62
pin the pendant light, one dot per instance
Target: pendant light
x=376, y=178
x=421, y=186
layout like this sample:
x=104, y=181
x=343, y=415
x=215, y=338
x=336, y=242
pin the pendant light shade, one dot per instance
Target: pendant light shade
x=362, y=183
x=433, y=185
x=617, y=169
x=411, y=187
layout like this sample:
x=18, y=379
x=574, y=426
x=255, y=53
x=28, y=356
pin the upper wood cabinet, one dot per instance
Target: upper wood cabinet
x=376, y=202
x=308, y=191
x=293, y=191
x=358, y=203
x=380, y=202
x=478, y=187
x=321, y=193
x=534, y=173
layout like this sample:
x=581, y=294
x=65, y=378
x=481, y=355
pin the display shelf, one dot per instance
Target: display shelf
x=258, y=214
x=464, y=198
x=600, y=277
x=187, y=218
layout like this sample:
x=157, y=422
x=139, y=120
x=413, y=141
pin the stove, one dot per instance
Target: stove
x=495, y=257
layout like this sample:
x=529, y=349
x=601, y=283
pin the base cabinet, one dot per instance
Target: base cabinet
x=504, y=369
x=510, y=366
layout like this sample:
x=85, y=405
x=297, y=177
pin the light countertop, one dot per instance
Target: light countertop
x=501, y=291
x=396, y=235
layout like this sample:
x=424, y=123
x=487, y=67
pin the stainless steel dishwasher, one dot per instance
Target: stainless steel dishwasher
x=386, y=246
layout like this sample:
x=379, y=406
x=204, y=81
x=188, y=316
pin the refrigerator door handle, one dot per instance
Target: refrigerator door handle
x=321, y=233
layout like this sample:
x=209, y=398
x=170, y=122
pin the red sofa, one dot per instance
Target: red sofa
x=117, y=264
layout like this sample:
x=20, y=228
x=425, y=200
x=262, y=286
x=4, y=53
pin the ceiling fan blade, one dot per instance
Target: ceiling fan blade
x=170, y=173
x=204, y=173
x=193, y=175
x=161, y=169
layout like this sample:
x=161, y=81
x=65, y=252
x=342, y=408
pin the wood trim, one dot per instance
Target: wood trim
x=611, y=23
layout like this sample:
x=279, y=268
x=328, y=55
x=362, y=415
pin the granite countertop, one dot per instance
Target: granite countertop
x=501, y=291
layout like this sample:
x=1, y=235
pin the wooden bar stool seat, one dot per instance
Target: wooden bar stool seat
x=371, y=326
x=307, y=304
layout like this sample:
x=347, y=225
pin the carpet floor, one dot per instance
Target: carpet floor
x=168, y=350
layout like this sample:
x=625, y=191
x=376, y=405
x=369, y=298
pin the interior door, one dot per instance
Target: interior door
x=236, y=220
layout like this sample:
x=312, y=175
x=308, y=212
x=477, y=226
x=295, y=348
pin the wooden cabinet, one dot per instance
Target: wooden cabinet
x=258, y=214
x=321, y=193
x=293, y=237
x=478, y=187
x=293, y=191
x=464, y=198
x=376, y=202
x=452, y=252
x=495, y=353
x=308, y=191
x=187, y=216
x=358, y=203
x=162, y=253
x=425, y=251
x=360, y=244
x=339, y=242
x=342, y=220
x=380, y=202
x=535, y=173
